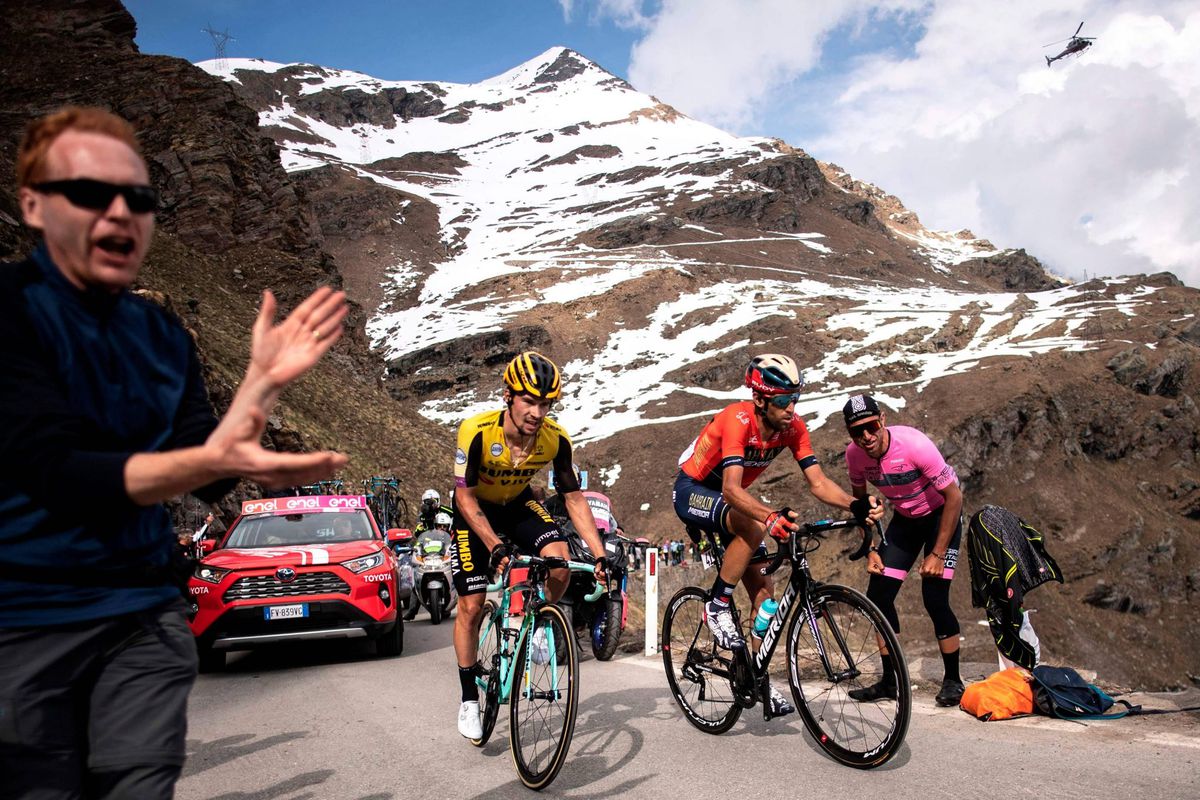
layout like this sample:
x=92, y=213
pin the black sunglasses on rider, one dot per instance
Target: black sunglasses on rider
x=98, y=195
x=867, y=427
x=783, y=400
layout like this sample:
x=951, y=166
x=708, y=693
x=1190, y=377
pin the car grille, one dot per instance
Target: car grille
x=262, y=587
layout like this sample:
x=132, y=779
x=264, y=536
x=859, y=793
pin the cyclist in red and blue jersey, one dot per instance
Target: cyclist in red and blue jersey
x=910, y=472
x=711, y=490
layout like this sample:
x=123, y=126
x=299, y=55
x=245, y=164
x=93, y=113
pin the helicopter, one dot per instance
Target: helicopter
x=1077, y=45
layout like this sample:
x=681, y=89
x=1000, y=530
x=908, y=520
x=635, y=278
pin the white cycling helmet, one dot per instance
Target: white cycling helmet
x=443, y=520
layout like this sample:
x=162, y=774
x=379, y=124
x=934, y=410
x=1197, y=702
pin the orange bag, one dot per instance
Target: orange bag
x=1002, y=695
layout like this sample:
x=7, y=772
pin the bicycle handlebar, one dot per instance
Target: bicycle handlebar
x=813, y=528
x=551, y=562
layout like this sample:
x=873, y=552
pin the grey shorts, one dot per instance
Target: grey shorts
x=100, y=696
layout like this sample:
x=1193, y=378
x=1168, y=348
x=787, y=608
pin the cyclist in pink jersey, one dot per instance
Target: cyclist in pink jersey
x=907, y=469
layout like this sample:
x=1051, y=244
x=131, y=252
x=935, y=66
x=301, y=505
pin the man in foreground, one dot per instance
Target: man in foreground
x=106, y=416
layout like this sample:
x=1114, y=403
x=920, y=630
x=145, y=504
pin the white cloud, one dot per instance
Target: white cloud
x=625, y=13
x=1092, y=165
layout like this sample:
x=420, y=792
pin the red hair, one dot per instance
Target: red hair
x=41, y=133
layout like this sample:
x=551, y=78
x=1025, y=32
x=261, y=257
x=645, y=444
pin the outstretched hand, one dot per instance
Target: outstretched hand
x=286, y=351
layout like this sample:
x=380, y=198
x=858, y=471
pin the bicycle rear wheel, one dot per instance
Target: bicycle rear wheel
x=849, y=630
x=544, y=697
x=491, y=636
x=698, y=673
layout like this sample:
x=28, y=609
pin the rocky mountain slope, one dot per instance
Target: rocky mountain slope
x=555, y=206
x=233, y=223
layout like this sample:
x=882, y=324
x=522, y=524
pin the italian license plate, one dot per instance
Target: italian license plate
x=286, y=612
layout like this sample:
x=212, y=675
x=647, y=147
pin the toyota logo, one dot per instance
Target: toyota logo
x=285, y=574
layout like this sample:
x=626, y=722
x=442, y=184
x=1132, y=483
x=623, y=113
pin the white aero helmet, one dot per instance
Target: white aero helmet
x=772, y=374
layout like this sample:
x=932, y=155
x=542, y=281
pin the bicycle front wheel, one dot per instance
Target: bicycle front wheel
x=491, y=637
x=699, y=674
x=544, y=697
x=840, y=649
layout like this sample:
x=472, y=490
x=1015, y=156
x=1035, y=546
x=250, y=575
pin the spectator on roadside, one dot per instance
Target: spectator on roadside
x=106, y=416
x=911, y=473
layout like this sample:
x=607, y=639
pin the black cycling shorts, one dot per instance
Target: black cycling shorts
x=522, y=522
x=906, y=537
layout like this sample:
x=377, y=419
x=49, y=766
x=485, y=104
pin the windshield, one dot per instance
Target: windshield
x=300, y=529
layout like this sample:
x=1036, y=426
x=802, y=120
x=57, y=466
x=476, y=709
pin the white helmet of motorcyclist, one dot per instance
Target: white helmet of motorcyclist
x=431, y=499
x=442, y=520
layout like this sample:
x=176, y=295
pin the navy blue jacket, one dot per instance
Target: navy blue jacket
x=88, y=379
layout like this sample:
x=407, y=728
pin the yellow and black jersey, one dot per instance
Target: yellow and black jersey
x=484, y=462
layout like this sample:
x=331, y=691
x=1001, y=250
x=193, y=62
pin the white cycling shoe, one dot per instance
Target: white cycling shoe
x=724, y=630
x=470, y=724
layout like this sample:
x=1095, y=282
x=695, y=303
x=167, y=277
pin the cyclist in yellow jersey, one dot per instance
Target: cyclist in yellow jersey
x=498, y=453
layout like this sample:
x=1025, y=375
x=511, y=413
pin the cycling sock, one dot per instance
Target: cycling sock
x=950, y=663
x=722, y=592
x=466, y=677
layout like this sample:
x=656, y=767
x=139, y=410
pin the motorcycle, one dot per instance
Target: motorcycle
x=604, y=619
x=433, y=584
x=406, y=567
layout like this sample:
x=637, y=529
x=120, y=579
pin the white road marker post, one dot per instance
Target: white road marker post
x=651, y=601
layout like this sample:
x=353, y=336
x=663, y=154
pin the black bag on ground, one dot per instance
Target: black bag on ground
x=1062, y=693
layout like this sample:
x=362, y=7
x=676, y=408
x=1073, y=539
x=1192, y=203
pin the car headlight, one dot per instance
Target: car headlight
x=365, y=563
x=211, y=574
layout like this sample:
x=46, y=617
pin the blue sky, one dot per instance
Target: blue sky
x=1093, y=165
x=463, y=41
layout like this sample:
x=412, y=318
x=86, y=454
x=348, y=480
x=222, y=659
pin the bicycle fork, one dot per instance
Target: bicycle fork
x=815, y=614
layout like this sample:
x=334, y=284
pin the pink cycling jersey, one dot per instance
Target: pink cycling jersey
x=910, y=475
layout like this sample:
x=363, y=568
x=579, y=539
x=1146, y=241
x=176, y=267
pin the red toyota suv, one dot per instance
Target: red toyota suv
x=297, y=568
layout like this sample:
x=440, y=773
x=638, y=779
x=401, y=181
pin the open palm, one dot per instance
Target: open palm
x=286, y=351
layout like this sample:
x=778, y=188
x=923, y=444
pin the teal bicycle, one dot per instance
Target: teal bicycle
x=528, y=659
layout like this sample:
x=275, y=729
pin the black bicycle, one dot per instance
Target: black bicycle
x=384, y=500
x=837, y=641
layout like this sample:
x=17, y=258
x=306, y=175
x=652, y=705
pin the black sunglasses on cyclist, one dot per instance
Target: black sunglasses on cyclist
x=783, y=400
x=98, y=195
x=871, y=427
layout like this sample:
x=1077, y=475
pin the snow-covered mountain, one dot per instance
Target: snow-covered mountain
x=553, y=166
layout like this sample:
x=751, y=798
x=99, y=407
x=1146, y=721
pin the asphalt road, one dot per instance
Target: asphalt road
x=334, y=721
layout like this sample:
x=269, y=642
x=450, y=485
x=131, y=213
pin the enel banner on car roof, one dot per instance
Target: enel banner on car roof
x=292, y=505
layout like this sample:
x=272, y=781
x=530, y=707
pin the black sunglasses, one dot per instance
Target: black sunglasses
x=867, y=427
x=784, y=400
x=98, y=195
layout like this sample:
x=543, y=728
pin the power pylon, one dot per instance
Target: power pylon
x=219, y=39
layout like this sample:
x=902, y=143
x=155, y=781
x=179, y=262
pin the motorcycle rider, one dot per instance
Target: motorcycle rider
x=439, y=533
x=431, y=506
